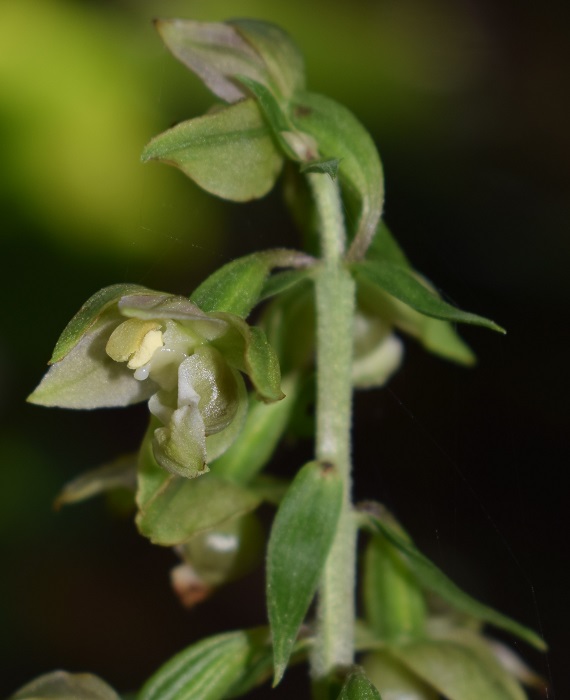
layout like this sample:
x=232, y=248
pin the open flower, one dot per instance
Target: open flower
x=128, y=344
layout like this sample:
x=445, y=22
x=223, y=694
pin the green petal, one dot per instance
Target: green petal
x=229, y=153
x=88, y=378
x=150, y=307
x=180, y=447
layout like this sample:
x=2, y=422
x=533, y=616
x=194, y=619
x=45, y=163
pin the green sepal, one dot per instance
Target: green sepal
x=404, y=285
x=358, y=687
x=261, y=433
x=395, y=607
x=246, y=348
x=171, y=509
x=340, y=136
x=238, y=286
x=229, y=153
x=205, y=670
x=89, y=314
x=121, y=473
x=61, y=685
x=235, y=287
x=218, y=52
x=434, y=580
x=301, y=536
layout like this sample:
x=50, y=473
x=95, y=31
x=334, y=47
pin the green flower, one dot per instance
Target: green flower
x=129, y=344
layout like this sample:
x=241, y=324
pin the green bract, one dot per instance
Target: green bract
x=128, y=344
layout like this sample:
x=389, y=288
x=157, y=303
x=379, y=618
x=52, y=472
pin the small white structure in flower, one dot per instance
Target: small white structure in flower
x=128, y=344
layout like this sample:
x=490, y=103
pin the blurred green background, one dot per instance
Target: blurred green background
x=468, y=101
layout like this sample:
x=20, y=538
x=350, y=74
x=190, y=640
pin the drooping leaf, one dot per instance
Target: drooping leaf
x=89, y=314
x=457, y=671
x=172, y=508
x=264, y=427
x=61, y=685
x=118, y=474
x=203, y=671
x=229, y=153
x=358, y=687
x=340, y=136
x=434, y=580
x=301, y=536
x=401, y=284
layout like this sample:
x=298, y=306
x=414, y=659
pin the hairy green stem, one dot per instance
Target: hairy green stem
x=335, y=302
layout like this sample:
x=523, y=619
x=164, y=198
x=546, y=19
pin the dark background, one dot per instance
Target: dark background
x=468, y=103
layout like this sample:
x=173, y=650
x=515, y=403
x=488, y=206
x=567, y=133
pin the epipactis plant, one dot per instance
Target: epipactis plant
x=329, y=324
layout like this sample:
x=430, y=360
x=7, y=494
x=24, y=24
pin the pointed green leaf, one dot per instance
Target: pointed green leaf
x=339, y=135
x=204, y=671
x=121, y=473
x=88, y=315
x=358, y=687
x=434, y=580
x=263, y=429
x=403, y=285
x=300, y=540
x=229, y=153
x=172, y=508
x=394, y=680
x=61, y=685
x=457, y=671
x=394, y=603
